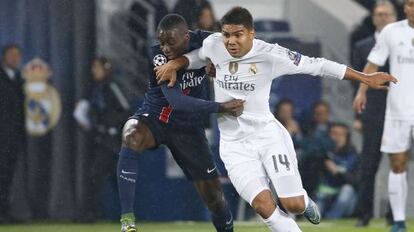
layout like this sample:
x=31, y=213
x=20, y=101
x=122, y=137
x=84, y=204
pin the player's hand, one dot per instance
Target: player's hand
x=233, y=107
x=210, y=70
x=378, y=80
x=359, y=102
x=166, y=72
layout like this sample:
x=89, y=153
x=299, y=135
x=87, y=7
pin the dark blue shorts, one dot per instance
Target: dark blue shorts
x=189, y=147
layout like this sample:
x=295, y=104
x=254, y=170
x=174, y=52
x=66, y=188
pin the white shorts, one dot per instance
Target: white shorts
x=397, y=136
x=266, y=156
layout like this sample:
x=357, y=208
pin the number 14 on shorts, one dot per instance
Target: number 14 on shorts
x=282, y=165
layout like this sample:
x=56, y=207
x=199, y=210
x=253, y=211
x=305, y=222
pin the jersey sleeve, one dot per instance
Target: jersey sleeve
x=287, y=62
x=181, y=102
x=156, y=58
x=380, y=52
x=198, y=58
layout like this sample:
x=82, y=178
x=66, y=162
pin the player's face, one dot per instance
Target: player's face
x=173, y=43
x=238, y=40
x=383, y=15
x=409, y=11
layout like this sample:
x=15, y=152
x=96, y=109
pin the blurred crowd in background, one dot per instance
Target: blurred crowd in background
x=329, y=163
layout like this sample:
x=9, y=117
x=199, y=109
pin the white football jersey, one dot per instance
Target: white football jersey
x=396, y=42
x=250, y=77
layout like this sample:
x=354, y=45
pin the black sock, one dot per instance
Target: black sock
x=127, y=175
x=223, y=221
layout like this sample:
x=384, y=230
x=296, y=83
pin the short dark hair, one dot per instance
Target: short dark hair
x=8, y=47
x=238, y=16
x=171, y=22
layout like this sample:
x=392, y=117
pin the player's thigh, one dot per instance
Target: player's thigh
x=396, y=137
x=192, y=153
x=279, y=159
x=137, y=135
x=244, y=169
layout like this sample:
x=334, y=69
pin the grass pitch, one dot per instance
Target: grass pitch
x=326, y=226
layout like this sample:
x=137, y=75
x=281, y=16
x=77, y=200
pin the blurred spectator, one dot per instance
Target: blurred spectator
x=367, y=27
x=102, y=113
x=284, y=113
x=190, y=10
x=12, y=123
x=206, y=19
x=336, y=194
x=373, y=116
x=319, y=123
x=314, y=146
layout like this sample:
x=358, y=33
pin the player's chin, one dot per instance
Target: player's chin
x=234, y=52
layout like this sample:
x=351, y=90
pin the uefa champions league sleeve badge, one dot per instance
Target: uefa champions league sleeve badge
x=159, y=60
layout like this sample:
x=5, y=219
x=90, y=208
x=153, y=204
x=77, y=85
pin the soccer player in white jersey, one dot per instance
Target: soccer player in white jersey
x=255, y=148
x=396, y=43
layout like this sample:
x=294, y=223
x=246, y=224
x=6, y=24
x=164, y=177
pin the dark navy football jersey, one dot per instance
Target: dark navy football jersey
x=193, y=83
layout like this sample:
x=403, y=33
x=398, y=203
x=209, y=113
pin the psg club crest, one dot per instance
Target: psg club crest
x=233, y=67
x=159, y=60
x=42, y=103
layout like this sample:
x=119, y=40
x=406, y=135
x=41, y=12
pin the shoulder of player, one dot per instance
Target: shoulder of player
x=394, y=26
x=262, y=47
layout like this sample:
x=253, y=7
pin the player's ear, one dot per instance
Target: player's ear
x=252, y=33
x=187, y=36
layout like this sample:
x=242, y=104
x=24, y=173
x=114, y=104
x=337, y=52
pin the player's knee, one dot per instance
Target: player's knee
x=264, y=206
x=132, y=139
x=294, y=205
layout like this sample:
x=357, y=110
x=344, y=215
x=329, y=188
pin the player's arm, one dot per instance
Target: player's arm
x=376, y=80
x=181, y=102
x=360, y=97
x=377, y=57
x=286, y=62
x=167, y=72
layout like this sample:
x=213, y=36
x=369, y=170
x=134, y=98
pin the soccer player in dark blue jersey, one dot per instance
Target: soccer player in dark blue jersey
x=175, y=117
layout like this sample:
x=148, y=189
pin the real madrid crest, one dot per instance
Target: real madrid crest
x=233, y=67
x=253, y=69
x=42, y=103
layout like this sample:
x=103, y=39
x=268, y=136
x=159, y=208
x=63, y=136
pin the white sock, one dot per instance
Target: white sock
x=281, y=222
x=397, y=191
